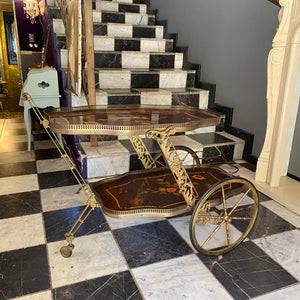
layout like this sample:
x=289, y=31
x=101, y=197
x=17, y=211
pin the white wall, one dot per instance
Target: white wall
x=231, y=39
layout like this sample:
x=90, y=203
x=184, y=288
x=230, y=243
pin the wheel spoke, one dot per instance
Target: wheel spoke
x=213, y=233
x=227, y=234
x=240, y=218
x=237, y=204
x=224, y=201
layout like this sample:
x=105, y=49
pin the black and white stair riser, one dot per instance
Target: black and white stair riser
x=118, y=30
x=123, y=18
x=107, y=43
x=114, y=6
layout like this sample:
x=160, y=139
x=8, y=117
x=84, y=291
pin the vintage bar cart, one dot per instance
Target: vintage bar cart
x=223, y=207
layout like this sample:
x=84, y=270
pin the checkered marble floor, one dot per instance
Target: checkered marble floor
x=143, y=258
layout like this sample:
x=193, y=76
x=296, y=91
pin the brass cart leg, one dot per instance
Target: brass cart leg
x=186, y=187
x=66, y=251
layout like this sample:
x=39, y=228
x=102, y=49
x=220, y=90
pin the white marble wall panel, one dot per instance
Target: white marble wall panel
x=114, y=79
x=153, y=45
x=135, y=60
x=17, y=232
x=50, y=2
x=184, y=277
x=97, y=16
x=120, y=30
x=136, y=19
x=159, y=32
x=123, y=1
x=155, y=96
x=83, y=264
x=64, y=58
x=79, y=100
x=101, y=98
x=172, y=79
x=107, y=5
x=58, y=26
x=202, y=130
x=178, y=62
x=104, y=43
x=143, y=8
x=203, y=99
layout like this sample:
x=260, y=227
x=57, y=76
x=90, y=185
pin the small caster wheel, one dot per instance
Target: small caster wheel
x=66, y=251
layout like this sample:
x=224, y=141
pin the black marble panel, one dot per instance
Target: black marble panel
x=263, y=197
x=61, y=42
x=108, y=60
x=151, y=20
x=17, y=169
x=249, y=166
x=151, y=145
x=211, y=138
x=190, y=80
x=126, y=99
x=144, y=80
x=217, y=154
x=20, y=204
x=115, y=286
x=111, y=17
x=185, y=99
x=144, y=31
x=165, y=61
x=267, y=223
x=100, y=29
x=56, y=179
x=58, y=222
x=127, y=45
x=149, y=243
x=54, y=13
x=46, y=154
x=169, y=46
x=247, y=271
x=129, y=8
x=23, y=272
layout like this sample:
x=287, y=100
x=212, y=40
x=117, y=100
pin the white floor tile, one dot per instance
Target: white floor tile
x=289, y=293
x=94, y=256
x=45, y=295
x=21, y=232
x=51, y=165
x=62, y=197
x=18, y=184
x=180, y=278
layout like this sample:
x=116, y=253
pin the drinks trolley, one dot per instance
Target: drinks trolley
x=223, y=207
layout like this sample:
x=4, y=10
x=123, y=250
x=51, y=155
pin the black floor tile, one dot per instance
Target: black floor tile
x=17, y=169
x=23, y=272
x=247, y=271
x=149, y=243
x=211, y=138
x=56, y=179
x=46, y=154
x=20, y=204
x=58, y=222
x=115, y=286
x=267, y=223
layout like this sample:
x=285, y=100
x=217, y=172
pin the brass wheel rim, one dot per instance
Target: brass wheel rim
x=226, y=217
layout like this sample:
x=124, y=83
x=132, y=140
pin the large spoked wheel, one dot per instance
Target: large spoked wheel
x=187, y=156
x=224, y=216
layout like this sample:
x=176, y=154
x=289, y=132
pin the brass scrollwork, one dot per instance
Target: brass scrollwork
x=186, y=187
x=143, y=153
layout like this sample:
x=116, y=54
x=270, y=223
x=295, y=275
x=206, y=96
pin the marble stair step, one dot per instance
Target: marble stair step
x=189, y=96
x=132, y=60
x=119, y=6
x=125, y=1
x=123, y=18
x=116, y=30
x=138, y=60
x=145, y=78
x=112, y=43
x=118, y=156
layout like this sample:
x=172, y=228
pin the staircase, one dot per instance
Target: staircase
x=135, y=63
